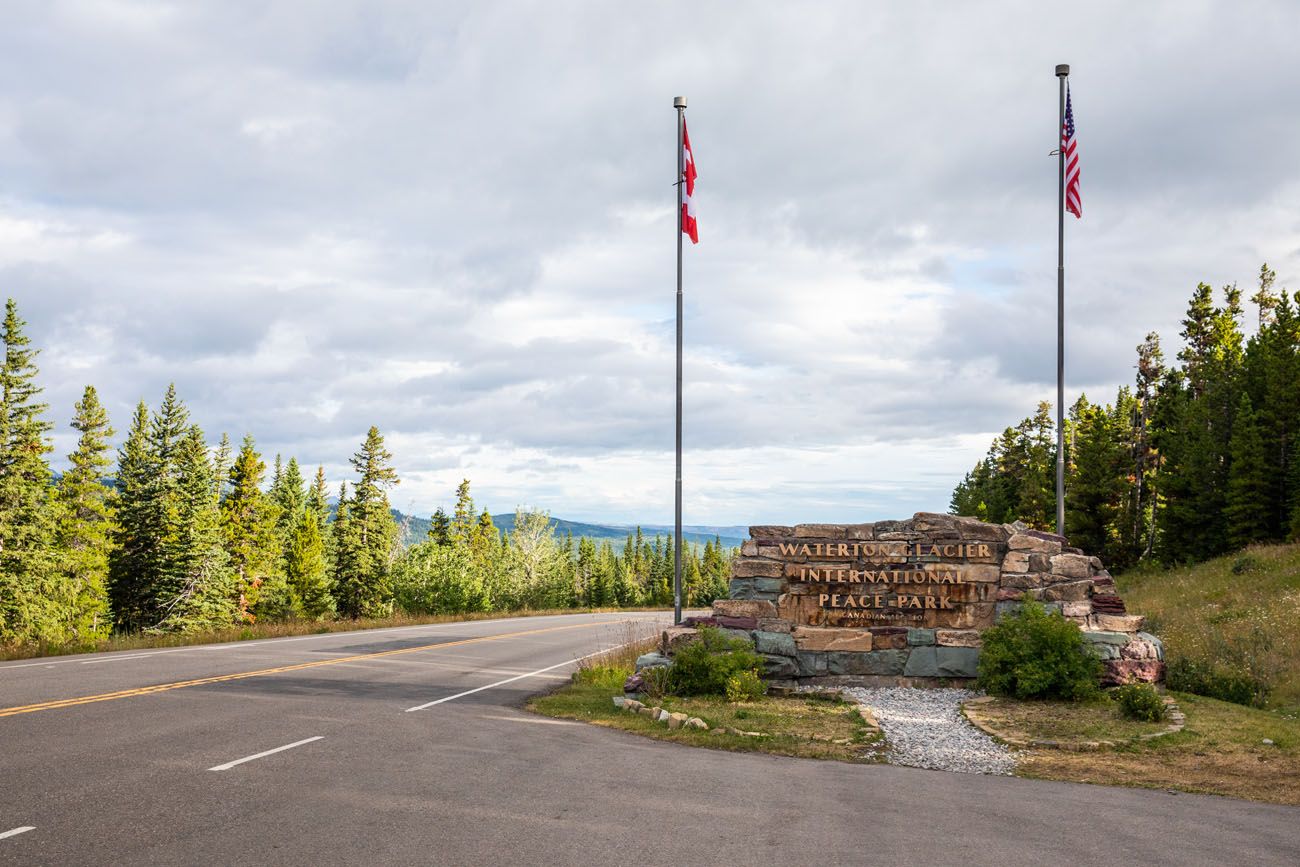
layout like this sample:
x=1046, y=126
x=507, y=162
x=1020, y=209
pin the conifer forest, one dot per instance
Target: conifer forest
x=1199, y=457
x=163, y=532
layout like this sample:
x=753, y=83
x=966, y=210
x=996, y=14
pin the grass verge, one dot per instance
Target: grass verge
x=1222, y=750
x=804, y=726
x=1064, y=721
x=142, y=641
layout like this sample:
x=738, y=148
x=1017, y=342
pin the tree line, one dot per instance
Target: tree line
x=171, y=535
x=1198, y=458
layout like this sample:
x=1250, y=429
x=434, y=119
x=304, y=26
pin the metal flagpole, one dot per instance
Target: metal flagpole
x=1062, y=73
x=679, y=103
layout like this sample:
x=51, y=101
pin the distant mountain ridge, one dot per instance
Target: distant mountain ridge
x=415, y=529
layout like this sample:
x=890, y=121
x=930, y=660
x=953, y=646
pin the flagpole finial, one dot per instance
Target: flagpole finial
x=1062, y=69
x=679, y=102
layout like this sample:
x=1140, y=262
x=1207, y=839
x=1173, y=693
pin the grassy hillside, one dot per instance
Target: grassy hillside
x=1236, y=614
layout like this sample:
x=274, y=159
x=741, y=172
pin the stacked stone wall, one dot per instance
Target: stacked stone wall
x=907, y=601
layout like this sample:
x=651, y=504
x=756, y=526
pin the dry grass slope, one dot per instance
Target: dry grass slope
x=1242, y=610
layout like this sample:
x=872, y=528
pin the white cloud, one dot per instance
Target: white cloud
x=455, y=221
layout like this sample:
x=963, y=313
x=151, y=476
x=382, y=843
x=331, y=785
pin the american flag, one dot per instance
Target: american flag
x=1070, y=147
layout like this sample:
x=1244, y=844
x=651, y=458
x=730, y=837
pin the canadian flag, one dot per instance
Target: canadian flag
x=689, y=225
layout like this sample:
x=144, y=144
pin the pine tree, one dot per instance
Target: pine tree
x=29, y=583
x=140, y=524
x=440, y=528
x=1266, y=299
x=306, y=569
x=1095, y=485
x=715, y=572
x=1247, y=496
x=288, y=495
x=197, y=587
x=462, y=520
x=366, y=589
x=221, y=467
x=249, y=521
x=1145, y=496
x=85, y=523
x=312, y=573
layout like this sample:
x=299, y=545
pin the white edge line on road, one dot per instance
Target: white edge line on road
x=517, y=677
x=14, y=832
x=228, y=765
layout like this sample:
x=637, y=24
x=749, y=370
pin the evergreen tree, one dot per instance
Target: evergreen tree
x=715, y=575
x=196, y=588
x=141, y=521
x=462, y=520
x=85, y=523
x=345, y=550
x=1266, y=299
x=288, y=495
x=1247, y=496
x=440, y=528
x=317, y=504
x=306, y=569
x=1095, y=484
x=29, y=583
x=221, y=467
x=307, y=560
x=366, y=590
x=250, y=525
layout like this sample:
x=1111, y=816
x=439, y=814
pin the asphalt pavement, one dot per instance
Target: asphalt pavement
x=410, y=746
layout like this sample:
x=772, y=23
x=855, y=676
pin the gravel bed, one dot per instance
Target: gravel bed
x=924, y=728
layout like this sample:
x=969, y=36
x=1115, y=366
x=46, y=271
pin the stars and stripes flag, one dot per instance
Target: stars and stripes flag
x=1070, y=147
x=689, y=226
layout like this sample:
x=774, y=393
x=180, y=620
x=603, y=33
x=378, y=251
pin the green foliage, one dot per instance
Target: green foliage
x=704, y=666
x=366, y=534
x=745, y=686
x=1139, y=701
x=1245, y=565
x=250, y=523
x=1216, y=680
x=439, y=579
x=1033, y=654
x=1247, y=495
x=1195, y=460
x=30, y=586
x=85, y=522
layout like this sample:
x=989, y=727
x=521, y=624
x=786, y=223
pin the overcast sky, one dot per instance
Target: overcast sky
x=455, y=221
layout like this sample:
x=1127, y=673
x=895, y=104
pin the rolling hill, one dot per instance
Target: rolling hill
x=415, y=529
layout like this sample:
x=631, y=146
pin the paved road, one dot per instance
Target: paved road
x=319, y=758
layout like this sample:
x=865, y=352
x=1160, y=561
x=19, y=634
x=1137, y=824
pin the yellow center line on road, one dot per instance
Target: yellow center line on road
x=222, y=678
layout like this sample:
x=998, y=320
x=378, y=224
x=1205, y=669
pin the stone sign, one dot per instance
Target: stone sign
x=906, y=601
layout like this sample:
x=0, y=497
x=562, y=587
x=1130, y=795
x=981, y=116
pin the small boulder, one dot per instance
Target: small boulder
x=652, y=660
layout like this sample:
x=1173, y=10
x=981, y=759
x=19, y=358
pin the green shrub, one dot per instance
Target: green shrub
x=704, y=666
x=1246, y=564
x=1216, y=680
x=1033, y=654
x=609, y=676
x=1139, y=701
x=745, y=686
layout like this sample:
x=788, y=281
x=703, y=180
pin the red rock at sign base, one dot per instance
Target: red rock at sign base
x=1121, y=671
